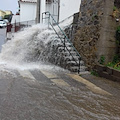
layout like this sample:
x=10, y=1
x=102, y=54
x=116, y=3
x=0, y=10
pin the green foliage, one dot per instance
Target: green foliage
x=115, y=63
x=110, y=64
x=102, y=60
x=6, y=16
x=116, y=59
x=114, y=8
x=117, y=67
x=94, y=73
x=118, y=35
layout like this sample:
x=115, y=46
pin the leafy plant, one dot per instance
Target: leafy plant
x=118, y=35
x=102, y=60
x=114, y=8
x=116, y=59
x=117, y=67
x=110, y=64
x=115, y=63
x=94, y=73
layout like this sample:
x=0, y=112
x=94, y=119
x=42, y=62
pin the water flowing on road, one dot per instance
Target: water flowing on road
x=31, y=89
x=2, y=37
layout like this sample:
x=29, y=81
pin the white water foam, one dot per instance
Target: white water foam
x=23, y=51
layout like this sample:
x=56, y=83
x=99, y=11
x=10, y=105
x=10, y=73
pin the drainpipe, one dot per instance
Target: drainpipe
x=38, y=11
x=58, y=10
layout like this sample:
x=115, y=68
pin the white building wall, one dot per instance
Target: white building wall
x=15, y=18
x=68, y=8
x=27, y=11
x=42, y=8
x=53, y=9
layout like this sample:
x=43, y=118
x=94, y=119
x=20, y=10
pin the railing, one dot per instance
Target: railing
x=51, y=22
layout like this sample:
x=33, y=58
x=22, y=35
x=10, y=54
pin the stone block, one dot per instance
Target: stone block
x=108, y=76
x=103, y=74
x=114, y=78
x=109, y=70
x=116, y=73
x=100, y=68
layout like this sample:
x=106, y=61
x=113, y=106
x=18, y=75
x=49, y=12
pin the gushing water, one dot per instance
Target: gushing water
x=45, y=101
x=25, y=49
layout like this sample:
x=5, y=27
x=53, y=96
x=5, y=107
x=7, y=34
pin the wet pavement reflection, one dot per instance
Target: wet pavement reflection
x=22, y=98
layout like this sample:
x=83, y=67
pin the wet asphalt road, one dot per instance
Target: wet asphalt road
x=2, y=37
x=54, y=95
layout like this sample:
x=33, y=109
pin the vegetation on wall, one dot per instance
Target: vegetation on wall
x=118, y=35
x=116, y=14
x=115, y=63
x=94, y=73
x=102, y=60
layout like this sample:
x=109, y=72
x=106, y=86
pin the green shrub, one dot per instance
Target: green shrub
x=116, y=59
x=115, y=63
x=118, y=35
x=114, y=8
x=102, y=60
x=94, y=73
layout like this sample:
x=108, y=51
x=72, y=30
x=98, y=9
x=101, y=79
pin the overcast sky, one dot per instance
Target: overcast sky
x=9, y=5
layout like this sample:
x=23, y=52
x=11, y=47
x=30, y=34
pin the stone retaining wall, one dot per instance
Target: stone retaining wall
x=95, y=34
x=108, y=72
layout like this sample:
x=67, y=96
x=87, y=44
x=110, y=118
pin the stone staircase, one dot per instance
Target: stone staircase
x=60, y=50
x=71, y=59
x=66, y=57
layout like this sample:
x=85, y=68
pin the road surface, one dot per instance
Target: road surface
x=44, y=94
x=2, y=37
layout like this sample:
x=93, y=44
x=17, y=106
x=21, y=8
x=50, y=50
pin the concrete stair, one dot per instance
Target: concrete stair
x=70, y=57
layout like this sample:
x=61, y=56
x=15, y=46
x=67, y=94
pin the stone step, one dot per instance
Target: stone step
x=75, y=69
x=70, y=58
x=69, y=49
x=84, y=72
x=66, y=53
x=62, y=38
x=62, y=45
x=74, y=63
x=71, y=63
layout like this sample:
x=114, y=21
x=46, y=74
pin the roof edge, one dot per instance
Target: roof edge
x=27, y=1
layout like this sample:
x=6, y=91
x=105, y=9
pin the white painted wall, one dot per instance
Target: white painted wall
x=53, y=9
x=68, y=8
x=15, y=18
x=27, y=11
x=42, y=8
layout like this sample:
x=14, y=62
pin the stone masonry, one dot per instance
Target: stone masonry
x=95, y=35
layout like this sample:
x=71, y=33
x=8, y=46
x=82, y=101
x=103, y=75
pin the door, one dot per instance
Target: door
x=53, y=7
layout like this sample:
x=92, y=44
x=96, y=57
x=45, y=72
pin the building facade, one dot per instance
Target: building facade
x=27, y=10
x=60, y=9
x=2, y=14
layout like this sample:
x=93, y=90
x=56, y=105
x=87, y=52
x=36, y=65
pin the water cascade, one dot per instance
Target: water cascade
x=33, y=45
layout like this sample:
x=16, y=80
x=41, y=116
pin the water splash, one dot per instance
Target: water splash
x=26, y=46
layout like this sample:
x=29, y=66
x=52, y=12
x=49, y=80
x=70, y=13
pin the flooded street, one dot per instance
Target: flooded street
x=32, y=89
x=49, y=93
x=2, y=37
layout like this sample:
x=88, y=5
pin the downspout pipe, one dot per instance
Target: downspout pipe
x=38, y=11
x=58, y=10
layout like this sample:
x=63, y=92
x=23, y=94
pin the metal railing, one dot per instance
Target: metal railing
x=51, y=22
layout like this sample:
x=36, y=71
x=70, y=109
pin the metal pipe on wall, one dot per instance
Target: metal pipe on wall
x=38, y=11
